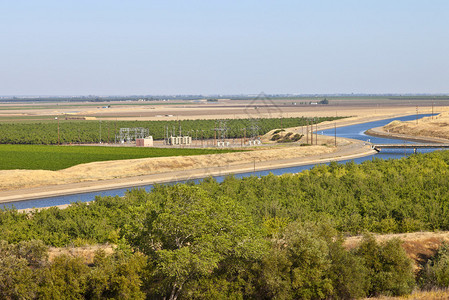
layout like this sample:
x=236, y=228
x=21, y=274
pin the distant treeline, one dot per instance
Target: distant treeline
x=93, y=98
x=71, y=131
x=261, y=97
x=273, y=237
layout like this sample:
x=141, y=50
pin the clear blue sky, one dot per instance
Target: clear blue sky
x=111, y=47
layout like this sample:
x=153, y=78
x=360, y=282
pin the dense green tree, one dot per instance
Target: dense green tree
x=117, y=276
x=435, y=273
x=390, y=270
x=65, y=278
x=348, y=273
x=188, y=234
x=17, y=279
x=35, y=252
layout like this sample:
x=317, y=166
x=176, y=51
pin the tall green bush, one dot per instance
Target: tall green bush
x=390, y=270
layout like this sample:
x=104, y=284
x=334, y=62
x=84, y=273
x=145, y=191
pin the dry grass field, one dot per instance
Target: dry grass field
x=419, y=295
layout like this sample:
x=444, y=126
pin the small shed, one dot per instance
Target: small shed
x=146, y=142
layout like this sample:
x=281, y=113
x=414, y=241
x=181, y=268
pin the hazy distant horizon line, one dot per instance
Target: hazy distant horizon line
x=222, y=95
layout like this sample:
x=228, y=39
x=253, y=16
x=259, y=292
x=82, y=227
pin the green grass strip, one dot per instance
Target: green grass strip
x=43, y=157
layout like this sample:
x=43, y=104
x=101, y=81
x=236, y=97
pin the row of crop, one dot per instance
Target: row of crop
x=67, y=131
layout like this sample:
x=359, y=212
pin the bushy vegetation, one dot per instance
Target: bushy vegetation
x=26, y=273
x=50, y=157
x=226, y=257
x=89, y=131
x=274, y=237
x=435, y=273
x=287, y=138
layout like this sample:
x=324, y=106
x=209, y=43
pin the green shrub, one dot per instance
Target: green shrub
x=390, y=270
x=278, y=130
x=297, y=137
x=435, y=273
x=348, y=273
x=275, y=137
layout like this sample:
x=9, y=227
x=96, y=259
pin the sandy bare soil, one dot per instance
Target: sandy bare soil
x=429, y=127
x=222, y=109
x=86, y=253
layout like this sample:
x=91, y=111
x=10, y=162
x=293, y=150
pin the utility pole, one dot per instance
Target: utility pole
x=202, y=137
x=100, y=131
x=244, y=135
x=432, y=110
x=416, y=115
x=58, y=130
x=335, y=133
x=311, y=132
x=307, y=132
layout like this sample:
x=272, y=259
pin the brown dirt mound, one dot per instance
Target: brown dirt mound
x=433, y=127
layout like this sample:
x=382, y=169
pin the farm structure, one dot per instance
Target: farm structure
x=179, y=140
x=146, y=142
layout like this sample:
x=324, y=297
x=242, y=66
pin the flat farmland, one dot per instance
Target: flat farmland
x=42, y=157
x=222, y=109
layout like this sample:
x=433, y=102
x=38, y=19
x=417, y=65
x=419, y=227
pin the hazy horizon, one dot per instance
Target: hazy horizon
x=230, y=48
x=337, y=95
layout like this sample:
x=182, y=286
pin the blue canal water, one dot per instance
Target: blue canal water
x=353, y=132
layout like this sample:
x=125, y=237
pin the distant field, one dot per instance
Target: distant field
x=80, y=131
x=69, y=105
x=37, y=157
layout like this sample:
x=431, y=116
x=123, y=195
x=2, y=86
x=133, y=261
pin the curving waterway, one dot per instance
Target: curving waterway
x=353, y=132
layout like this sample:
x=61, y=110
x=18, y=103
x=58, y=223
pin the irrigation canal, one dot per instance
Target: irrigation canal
x=353, y=131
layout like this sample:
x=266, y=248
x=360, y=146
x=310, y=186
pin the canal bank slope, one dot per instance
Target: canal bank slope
x=429, y=129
